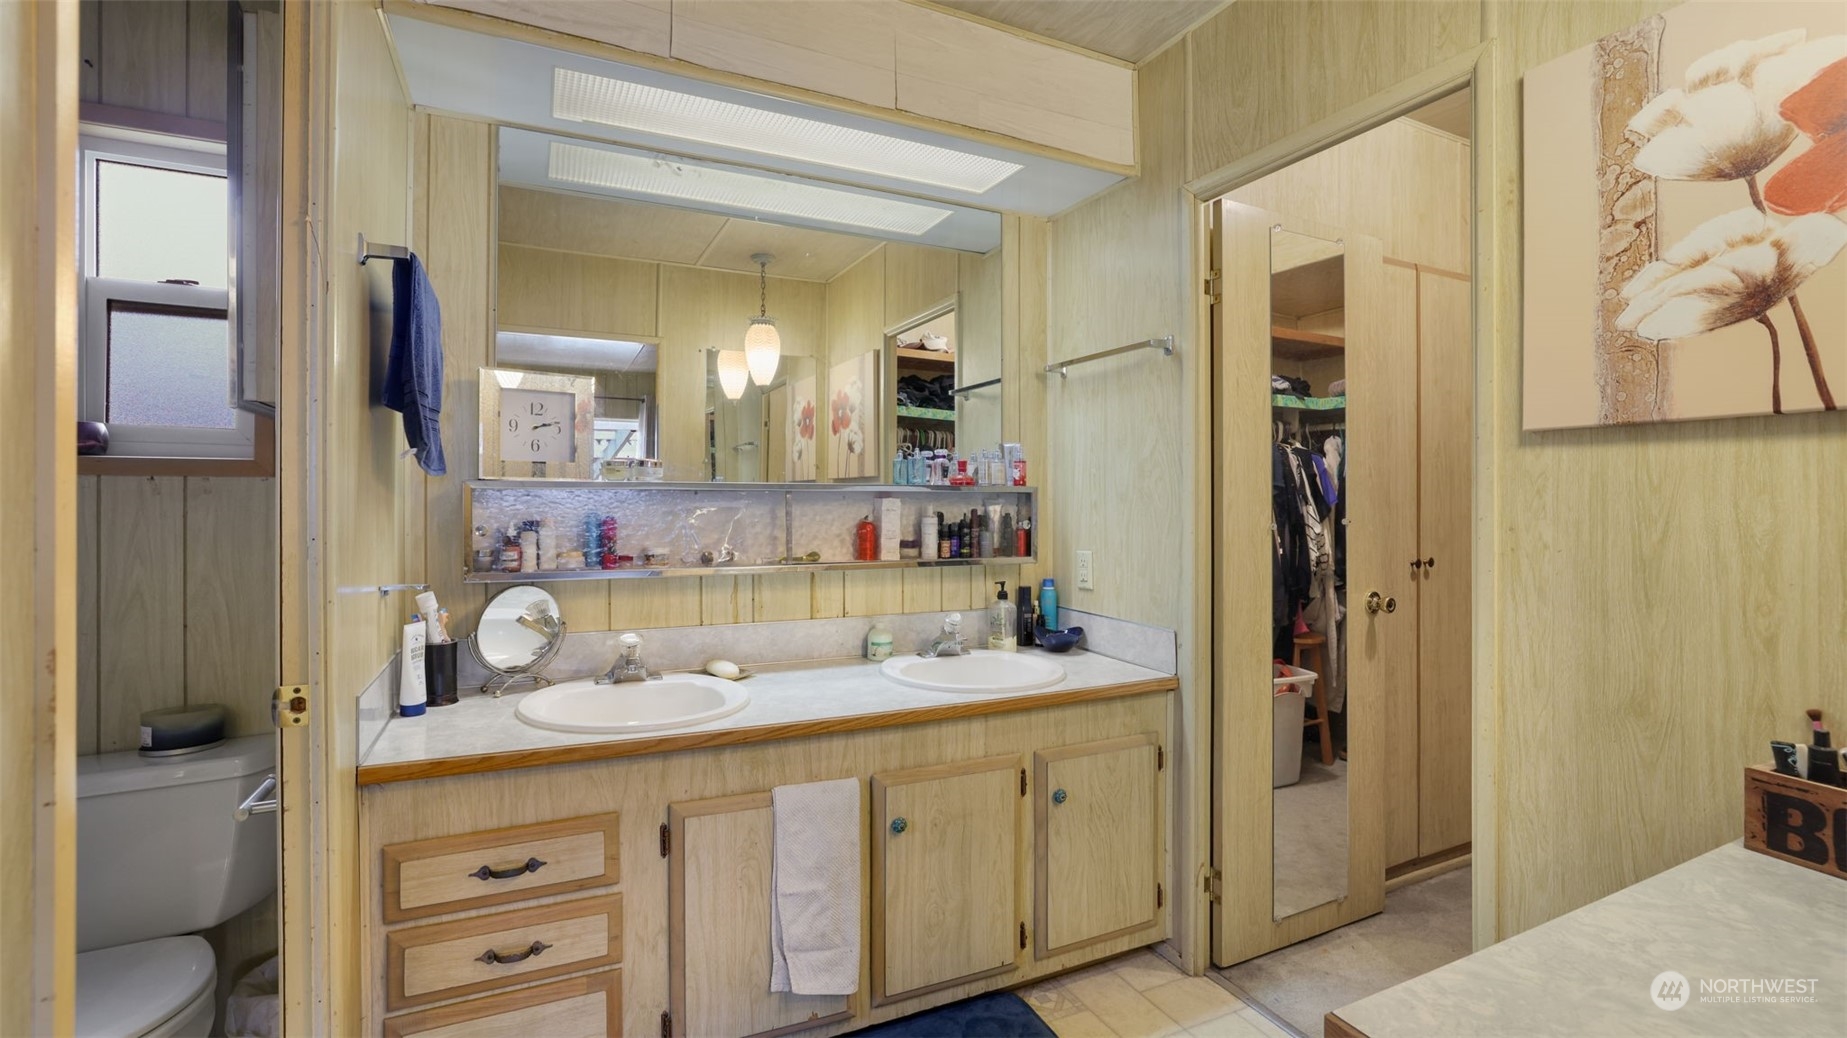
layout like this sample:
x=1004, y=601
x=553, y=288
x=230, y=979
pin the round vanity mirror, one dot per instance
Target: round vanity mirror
x=520, y=631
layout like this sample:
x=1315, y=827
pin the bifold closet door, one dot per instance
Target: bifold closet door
x=1445, y=411
x=1399, y=706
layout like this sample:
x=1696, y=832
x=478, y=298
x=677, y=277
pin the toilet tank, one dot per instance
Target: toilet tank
x=160, y=851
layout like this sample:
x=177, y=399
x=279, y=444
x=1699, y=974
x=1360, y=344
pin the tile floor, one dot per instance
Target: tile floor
x=1140, y=995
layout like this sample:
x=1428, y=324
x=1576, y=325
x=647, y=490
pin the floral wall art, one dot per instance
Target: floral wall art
x=1686, y=219
x=853, y=417
x=802, y=412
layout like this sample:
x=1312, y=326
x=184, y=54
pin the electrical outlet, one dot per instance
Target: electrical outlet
x=1086, y=571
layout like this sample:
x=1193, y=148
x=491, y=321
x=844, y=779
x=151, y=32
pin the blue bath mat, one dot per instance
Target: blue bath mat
x=998, y=1014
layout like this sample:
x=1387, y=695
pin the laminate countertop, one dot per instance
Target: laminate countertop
x=1728, y=915
x=481, y=733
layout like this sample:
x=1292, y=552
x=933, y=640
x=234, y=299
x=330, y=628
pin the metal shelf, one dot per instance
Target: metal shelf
x=638, y=572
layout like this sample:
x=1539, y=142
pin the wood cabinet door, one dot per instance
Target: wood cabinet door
x=945, y=905
x=718, y=892
x=1446, y=416
x=1096, y=835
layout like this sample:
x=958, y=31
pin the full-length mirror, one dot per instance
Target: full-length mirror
x=1308, y=386
x=728, y=346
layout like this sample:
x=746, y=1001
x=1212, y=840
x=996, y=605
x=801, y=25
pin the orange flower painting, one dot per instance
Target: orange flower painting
x=1685, y=186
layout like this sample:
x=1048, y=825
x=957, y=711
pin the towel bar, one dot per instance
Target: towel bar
x=1165, y=344
x=373, y=250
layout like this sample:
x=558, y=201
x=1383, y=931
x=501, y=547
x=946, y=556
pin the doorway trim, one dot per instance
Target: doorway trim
x=1474, y=68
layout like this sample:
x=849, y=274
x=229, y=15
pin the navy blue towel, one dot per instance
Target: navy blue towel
x=414, y=374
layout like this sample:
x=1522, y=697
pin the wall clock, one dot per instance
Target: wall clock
x=536, y=425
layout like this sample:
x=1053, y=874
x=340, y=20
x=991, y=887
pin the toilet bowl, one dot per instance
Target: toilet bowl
x=161, y=854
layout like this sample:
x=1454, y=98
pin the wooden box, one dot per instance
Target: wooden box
x=1796, y=820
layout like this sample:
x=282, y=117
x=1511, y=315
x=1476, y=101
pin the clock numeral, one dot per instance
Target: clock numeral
x=535, y=407
x=537, y=446
x=513, y=425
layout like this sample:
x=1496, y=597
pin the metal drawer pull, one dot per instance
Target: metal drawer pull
x=254, y=804
x=494, y=958
x=484, y=873
x=1058, y=796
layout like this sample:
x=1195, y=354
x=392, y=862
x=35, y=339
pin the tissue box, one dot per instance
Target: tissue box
x=887, y=516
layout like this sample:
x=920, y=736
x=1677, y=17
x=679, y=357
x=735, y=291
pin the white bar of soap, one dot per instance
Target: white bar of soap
x=722, y=669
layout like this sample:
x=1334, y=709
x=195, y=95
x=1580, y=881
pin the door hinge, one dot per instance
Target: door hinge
x=289, y=709
x=666, y=840
x=1160, y=758
x=1215, y=886
x=1160, y=896
x=1022, y=936
x=666, y=1024
x=1022, y=781
x=1213, y=285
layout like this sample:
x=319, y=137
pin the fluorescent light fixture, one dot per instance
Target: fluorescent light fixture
x=582, y=97
x=772, y=194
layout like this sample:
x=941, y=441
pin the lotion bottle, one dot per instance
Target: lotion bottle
x=1003, y=622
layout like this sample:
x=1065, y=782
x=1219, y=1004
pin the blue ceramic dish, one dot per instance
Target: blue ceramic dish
x=1058, y=641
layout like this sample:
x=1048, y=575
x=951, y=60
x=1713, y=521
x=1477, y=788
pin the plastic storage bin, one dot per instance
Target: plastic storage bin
x=1288, y=696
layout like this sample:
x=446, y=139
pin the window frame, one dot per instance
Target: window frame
x=152, y=442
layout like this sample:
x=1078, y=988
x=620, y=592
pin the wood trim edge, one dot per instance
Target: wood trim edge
x=1338, y=1028
x=577, y=753
x=152, y=122
x=261, y=463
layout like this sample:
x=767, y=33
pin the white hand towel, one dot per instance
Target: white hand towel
x=814, y=888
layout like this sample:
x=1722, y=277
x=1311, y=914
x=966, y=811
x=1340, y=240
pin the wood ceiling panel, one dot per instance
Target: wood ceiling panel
x=1132, y=30
x=605, y=227
x=800, y=253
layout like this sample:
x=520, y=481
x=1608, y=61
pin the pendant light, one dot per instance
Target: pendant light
x=733, y=373
x=762, y=343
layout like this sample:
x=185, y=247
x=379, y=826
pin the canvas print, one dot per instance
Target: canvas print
x=853, y=418
x=801, y=453
x=1685, y=219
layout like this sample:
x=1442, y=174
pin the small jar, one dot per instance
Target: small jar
x=878, y=642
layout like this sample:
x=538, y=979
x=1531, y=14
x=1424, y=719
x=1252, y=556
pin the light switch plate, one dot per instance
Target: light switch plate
x=1086, y=571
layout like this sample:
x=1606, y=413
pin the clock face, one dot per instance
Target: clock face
x=537, y=425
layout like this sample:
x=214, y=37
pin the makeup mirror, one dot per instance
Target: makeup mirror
x=519, y=633
x=1308, y=804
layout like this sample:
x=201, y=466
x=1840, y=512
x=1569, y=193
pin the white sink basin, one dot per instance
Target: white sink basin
x=979, y=671
x=674, y=701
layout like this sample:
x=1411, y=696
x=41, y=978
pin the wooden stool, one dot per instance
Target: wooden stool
x=1315, y=645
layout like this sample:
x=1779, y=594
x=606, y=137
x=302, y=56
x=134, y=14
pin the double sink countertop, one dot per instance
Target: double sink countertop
x=787, y=700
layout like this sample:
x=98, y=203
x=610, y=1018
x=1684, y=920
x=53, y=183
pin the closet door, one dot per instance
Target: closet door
x=1397, y=663
x=1446, y=444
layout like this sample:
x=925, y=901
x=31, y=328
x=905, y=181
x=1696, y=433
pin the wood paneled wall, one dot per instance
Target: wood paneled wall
x=1646, y=579
x=165, y=56
x=176, y=602
x=38, y=396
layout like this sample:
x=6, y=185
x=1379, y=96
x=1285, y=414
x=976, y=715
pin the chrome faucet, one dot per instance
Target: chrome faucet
x=948, y=641
x=628, y=665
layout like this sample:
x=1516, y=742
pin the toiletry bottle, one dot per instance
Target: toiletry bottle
x=942, y=537
x=1027, y=616
x=1024, y=532
x=593, y=539
x=1824, y=762
x=548, y=544
x=866, y=541
x=1048, y=604
x=528, y=550
x=1003, y=622
x=920, y=468
x=609, y=531
x=485, y=554
x=412, y=697
x=926, y=536
x=509, y=552
x=952, y=544
x=992, y=525
x=900, y=469
x=1005, y=542
x=968, y=540
x=878, y=642
x=962, y=478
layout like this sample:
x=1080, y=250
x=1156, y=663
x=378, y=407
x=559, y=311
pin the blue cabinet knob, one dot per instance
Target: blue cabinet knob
x=899, y=825
x=1058, y=796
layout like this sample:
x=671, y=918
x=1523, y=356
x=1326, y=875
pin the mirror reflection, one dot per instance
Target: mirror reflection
x=736, y=349
x=1308, y=385
x=520, y=631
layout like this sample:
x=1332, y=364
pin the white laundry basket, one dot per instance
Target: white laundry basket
x=1288, y=695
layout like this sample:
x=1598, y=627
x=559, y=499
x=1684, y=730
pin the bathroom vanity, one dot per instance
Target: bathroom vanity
x=544, y=882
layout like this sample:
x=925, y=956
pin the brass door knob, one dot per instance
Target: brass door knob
x=1376, y=602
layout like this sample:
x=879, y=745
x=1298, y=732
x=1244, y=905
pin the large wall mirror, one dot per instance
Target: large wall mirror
x=886, y=346
x=1308, y=804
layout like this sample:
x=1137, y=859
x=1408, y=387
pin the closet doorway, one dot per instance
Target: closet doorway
x=1343, y=420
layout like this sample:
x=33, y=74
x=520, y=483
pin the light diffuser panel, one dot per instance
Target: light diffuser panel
x=582, y=97
x=681, y=181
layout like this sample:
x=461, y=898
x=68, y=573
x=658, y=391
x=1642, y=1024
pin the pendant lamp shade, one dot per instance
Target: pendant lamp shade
x=762, y=342
x=733, y=373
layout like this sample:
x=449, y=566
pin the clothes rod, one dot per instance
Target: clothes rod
x=1165, y=344
x=970, y=389
x=373, y=250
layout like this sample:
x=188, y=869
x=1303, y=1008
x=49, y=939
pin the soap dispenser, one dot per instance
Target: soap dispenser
x=1003, y=622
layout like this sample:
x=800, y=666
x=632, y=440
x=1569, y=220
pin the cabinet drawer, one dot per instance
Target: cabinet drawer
x=476, y=870
x=443, y=960
x=581, y=1007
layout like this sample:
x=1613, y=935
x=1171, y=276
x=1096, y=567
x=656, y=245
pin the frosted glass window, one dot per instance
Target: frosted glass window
x=156, y=224
x=167, y=366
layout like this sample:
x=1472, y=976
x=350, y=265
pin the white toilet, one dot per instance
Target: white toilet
x=161, y=855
